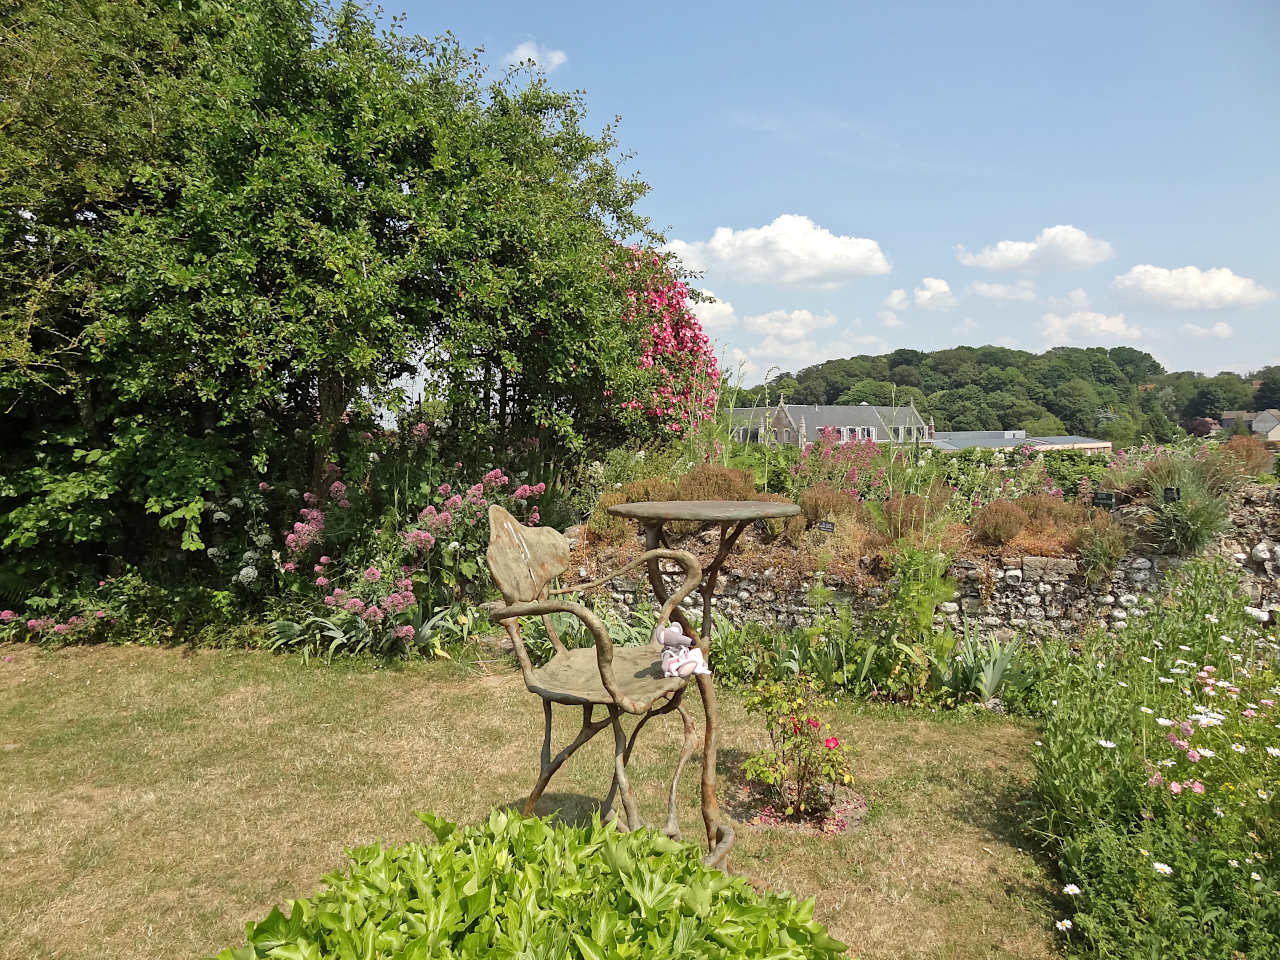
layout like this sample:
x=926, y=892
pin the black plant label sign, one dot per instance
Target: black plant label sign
x=1105, y=499
x=826, y=526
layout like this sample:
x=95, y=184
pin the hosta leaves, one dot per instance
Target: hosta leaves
x=525, y=889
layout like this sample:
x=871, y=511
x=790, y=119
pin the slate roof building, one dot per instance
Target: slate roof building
x=792, y=424
x=1264, y=423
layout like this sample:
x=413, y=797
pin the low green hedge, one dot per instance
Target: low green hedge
x=525, y=888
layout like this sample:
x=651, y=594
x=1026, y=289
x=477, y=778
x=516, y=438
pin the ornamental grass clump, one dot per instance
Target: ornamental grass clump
x=515, y=887
x=1158, y=775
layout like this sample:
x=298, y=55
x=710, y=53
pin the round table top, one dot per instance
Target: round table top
x=711, y=511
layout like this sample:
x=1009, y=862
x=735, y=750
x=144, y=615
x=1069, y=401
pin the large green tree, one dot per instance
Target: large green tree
x=227, y=224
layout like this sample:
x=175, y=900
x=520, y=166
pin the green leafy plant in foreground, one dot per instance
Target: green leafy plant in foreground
x=520, y=887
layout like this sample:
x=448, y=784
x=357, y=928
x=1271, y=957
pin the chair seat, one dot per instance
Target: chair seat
x=574, y=676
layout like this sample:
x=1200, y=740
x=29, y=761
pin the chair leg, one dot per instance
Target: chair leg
x=550, y=765
x=672, y=829
x=631, y=813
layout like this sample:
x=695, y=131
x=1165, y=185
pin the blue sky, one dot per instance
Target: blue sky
x=853, y=178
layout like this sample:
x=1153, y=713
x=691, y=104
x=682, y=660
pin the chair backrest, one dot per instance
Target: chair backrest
x=523, y=560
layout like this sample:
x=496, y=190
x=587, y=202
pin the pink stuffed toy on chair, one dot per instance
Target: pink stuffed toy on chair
x=680, y=655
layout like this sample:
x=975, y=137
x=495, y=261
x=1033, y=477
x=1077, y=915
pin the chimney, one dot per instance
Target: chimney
x=803, y=433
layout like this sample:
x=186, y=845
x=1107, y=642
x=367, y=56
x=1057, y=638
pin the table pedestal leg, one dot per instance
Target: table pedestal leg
x=719, y=835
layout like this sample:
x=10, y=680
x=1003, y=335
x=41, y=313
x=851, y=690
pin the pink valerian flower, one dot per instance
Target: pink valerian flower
x=100, y=614
x=420, y=431
x=831, y=742
x=338, y=489
x=406, y=632
x=61, y=628
x=6, y=616
x=374, y=613
x=322, y=581
x=495, y=478
x=318, y=568
x=344, y=504
x=419, y=539
x=330, y=600
x=454, y=502
x=534, y=518
x=372, y=574
x=308, y=497
x=355, y=605
x=444, y=489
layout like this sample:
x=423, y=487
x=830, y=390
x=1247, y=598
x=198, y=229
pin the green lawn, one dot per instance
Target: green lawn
x=154, y=800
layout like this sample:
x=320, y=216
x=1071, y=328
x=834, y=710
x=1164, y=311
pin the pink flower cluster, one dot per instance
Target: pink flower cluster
x=675, y=347
x=306, y=531
x=419, y=539
x=526, y=492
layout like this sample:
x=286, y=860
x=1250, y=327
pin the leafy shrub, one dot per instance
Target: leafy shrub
x=605, y=525
x=516, y=887
x=1158, y=777
x=912, y=515
x=649, y=488
x=825, y=502
x=804, y=762
x=709, y=481
x=999, y=522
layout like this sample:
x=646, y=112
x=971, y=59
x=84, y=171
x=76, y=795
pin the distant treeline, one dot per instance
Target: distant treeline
x=1119, y=394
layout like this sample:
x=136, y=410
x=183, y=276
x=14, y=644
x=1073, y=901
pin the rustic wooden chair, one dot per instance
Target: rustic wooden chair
x=524, y=561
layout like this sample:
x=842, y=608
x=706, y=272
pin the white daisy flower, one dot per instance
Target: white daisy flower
x=1071, y=890
x=1063, y=925
x=1239, y=747
x=1146, y=710
x=1106, y=743
x=1164, y=721
x=1163, y=869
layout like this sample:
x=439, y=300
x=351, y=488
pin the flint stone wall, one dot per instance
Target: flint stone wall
x=1034, y=594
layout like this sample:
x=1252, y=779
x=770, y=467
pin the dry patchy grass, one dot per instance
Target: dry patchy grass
x=154, y=800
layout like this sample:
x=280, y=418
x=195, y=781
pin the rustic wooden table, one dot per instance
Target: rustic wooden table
x=732, y=516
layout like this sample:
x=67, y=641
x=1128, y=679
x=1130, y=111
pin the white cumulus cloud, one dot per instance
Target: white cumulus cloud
x=1022, y=290
x=895, y=301
x=716, y=315
x=546, y=58
x=790, y=250
x=1080, y=325
x=1063, y=246
x=934, y=294
x=789, y=325
x=1220, y=329
x=1190, y=288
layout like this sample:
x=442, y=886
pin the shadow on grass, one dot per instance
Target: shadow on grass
x=1001, y=811
x=575, y=809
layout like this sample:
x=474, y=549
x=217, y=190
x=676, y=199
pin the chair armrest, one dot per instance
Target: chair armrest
x=604, y=646
x=692, y=577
